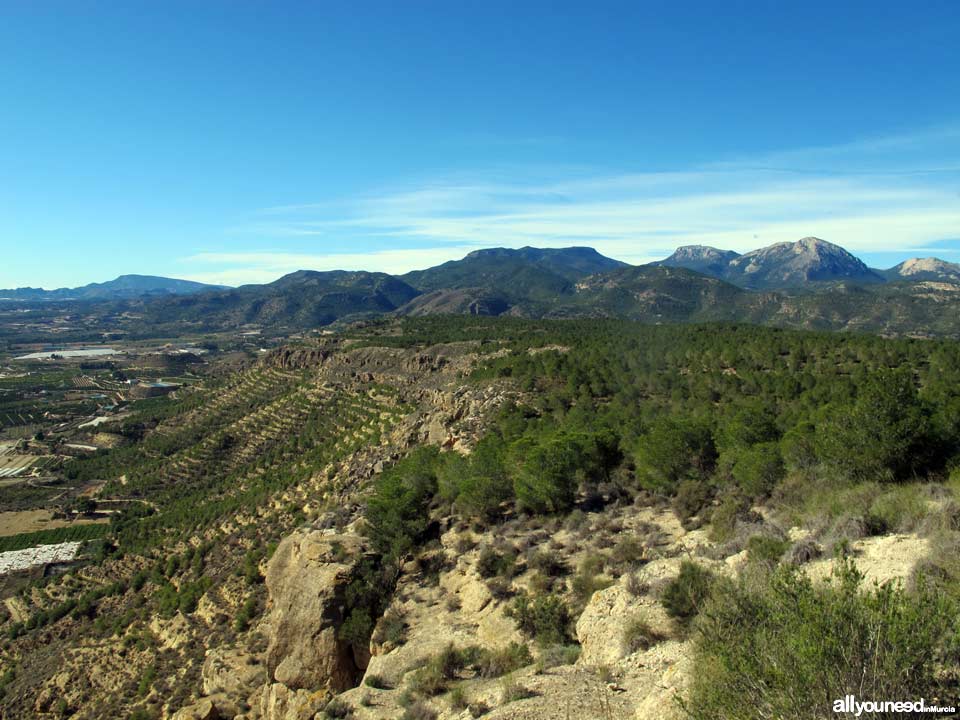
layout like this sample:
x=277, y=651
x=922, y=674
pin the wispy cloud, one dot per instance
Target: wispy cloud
x=898, y=194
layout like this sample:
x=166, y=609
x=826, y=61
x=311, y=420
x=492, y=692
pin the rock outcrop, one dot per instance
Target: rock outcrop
x=307, y=580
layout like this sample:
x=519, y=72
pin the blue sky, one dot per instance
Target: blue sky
x=236, y=141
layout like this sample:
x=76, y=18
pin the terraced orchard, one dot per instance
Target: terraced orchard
x=205, y=496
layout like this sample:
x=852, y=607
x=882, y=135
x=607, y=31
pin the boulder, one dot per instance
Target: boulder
x=306, y=580
x=604, y=621
x=279, y=702
x=232, y=672
x=203, y=709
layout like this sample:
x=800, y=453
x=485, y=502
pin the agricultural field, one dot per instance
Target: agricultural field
x=31, y=521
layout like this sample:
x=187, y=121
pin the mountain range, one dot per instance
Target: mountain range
x=810, y=283
x=123, y=287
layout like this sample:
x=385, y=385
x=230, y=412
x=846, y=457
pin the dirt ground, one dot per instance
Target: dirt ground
x=13, y=523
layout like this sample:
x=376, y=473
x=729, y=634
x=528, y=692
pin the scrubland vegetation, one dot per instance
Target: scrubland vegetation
x=844, y=436
x=848, y=436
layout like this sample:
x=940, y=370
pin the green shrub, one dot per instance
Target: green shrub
x=785, y=647
x=494, y=663
x=396, y=513
x=511, y=691
x=245, y=615
x=639, y=635
x=377, y=682
x=491, y=563
x=766, y=549
x=691, y=498
x=554, y=655
x=418, y=710
x=337, y=708
x=757, y=469
x=547, y=563
x=674, y=450
x=585, y=583
x=685, y=595
x=391, y=630
x=545, y=618
x=628, y=551
x=458, y=698
x=428, y=681
x=723, y=520
x=899, y=509
x=358, y=627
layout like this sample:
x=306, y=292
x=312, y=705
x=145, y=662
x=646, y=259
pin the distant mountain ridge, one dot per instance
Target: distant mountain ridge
x=122, y=287
x=700, y=258
x=780, y=266
x=807, y=284
x=305, y=298
x=502, y=269
x=919, y=269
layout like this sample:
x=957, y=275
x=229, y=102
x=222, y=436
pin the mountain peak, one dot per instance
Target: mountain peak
x=930, y=268
x=781, y=265
x=700, y=258
x=787, y=264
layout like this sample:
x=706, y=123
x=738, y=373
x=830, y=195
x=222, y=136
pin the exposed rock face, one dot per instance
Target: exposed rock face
x=603, y=624
x=204, y=709
x=791, y=264
x=278, y=702
x=296, y=358
x=307, y=579
x=232, y=672
x=781, y=265
x=701, y=258
x=925, y=269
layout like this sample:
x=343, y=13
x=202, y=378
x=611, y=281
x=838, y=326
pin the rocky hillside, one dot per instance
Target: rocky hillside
x=448, y=518
x=453, y=611
x=786, y=265
x=527, y=272
x=301, y=299
x=780, y=266
x=924, y=269
x=701, y=258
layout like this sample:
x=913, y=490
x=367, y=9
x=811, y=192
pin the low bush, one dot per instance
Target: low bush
x=458, y=698
x=511, y=691
x=494, y=663
x=900, y=509
x=337, y=708
x=419, y=710
x=547, y=563
x=391, y=630
x=555, y=655
x=628, y=551
x=685, y=595
x=723, y=520
x=545, y=618
x=785, y=647
x=496, y=564
x=639, y=636
x=692, y=496
x=766, y=548
x=377, y=682
x=636, y=586
x=427, y=681
x=803, y=552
